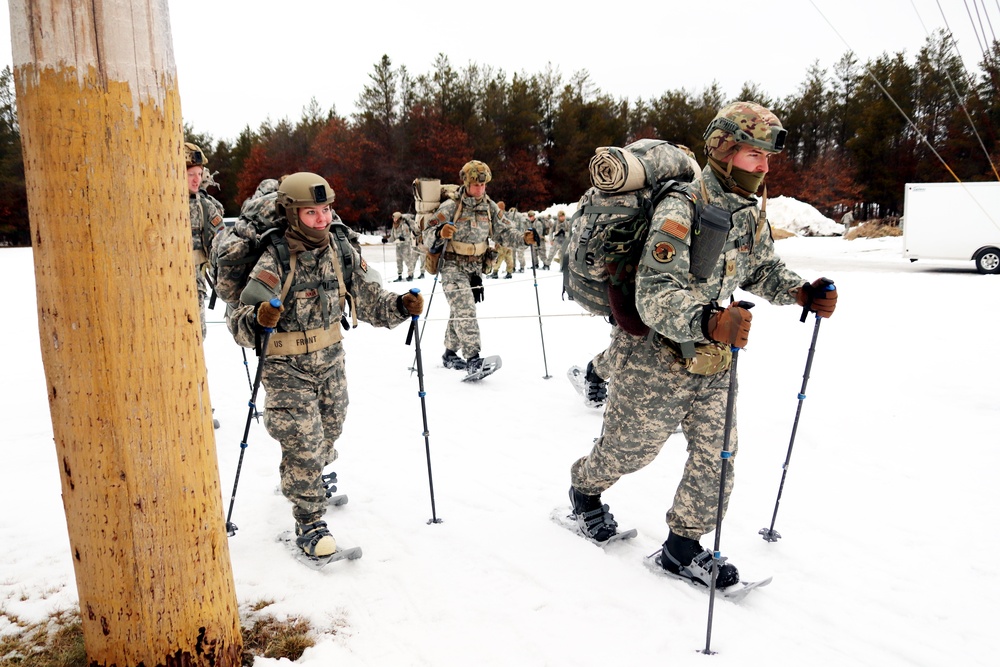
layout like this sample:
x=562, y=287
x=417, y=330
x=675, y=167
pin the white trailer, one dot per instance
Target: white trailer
x=953, y=221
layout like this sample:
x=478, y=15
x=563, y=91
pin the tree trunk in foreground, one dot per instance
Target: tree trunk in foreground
x=120, y=333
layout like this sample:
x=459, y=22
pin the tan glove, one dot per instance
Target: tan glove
x=268, y=315
x=411, y=303
x=820, y=297
x=447, y=231
x=731, y=325
x=531, y=237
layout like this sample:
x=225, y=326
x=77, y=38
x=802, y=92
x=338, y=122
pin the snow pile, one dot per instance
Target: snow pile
x=800, y=218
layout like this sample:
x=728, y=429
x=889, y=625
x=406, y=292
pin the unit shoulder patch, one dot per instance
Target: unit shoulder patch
x=664, y=252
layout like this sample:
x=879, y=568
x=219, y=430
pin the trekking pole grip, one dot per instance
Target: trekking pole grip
x=826, y=285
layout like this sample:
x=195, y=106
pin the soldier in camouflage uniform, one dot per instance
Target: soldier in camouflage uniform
x=539, y=254
x=303, y=375
x=460, y=231
x=679, y=374
x=518, y=221
x=560, y=236
x=405, y=250
x=206, y=220
x=417, y=250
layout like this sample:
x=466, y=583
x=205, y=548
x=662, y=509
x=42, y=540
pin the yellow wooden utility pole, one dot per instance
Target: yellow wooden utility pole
x=120, y=335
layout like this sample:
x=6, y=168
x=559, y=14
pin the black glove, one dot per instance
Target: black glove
x=385, y=239
x=478, y=293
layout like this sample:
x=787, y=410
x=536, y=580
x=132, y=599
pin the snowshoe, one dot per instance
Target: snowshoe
x=734, y=593
x=594, y=519
x=477, y=368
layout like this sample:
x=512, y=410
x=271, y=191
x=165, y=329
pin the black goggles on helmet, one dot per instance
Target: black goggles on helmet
x=775, y=143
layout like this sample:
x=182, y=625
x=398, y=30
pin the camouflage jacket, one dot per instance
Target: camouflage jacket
x=478, y=222
x=670, y=300
x=401, y=232
x=313, y=299
x=206, y=219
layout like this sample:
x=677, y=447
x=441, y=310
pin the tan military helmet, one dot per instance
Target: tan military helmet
x=396, y=216
x=301, y=190
x=745, y=123
x=475, y=171
x=193, y=156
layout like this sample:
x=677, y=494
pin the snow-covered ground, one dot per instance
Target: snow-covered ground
x=887, y=513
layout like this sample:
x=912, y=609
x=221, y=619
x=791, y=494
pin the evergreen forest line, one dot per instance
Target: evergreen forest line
x=857, y=133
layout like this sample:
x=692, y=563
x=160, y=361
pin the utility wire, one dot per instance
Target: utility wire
x=954, y=88
x=890, y=97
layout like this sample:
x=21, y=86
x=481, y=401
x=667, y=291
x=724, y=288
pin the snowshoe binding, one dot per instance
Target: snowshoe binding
x=685, y=558
x=594, y=519
x=329, y=481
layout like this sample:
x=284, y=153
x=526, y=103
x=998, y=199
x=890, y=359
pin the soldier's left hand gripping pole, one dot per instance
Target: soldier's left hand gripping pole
x=726, y=455
x=770, y=534
x=414, y=336
x=538, y=303
x=251, y=413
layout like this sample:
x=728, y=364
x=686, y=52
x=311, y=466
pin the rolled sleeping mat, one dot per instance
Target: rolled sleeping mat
x=615, y=170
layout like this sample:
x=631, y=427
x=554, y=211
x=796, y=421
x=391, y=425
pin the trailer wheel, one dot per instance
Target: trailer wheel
x=988, y=260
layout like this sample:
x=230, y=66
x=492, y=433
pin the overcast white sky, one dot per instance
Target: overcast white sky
x=240, y=62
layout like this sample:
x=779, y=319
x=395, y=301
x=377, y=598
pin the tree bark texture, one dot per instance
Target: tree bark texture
x=120, y=333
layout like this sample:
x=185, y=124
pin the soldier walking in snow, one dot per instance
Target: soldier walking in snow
x=206, y=220
x=460, y=231
x=303, y=374
x=679, y=374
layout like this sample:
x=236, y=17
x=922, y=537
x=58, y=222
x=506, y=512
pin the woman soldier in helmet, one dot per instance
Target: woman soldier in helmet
x=679, y=374
x=303, y=373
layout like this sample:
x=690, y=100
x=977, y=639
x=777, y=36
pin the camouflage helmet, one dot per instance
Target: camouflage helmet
x=193, y=156
x=744, y=123
x=475, y=171
x=302, y=190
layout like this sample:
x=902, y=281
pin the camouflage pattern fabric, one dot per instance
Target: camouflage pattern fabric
x=306, y=394
x=758, y=122
x=406, y=255
x=505, y=256
x=203, y=208
x=560, y=237
x=478, y=222
x=649, y=392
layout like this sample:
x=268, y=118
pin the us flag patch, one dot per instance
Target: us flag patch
x=676, y=229
x=364, y=265
x=268, y=279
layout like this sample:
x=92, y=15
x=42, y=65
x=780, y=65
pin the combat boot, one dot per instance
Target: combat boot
x=399, y=279
x=592, y=516
x=686, y=558
x=315, y=539
x=452, y=360
x=474, y=364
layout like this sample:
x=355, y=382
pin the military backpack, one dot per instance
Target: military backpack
x=609, y=229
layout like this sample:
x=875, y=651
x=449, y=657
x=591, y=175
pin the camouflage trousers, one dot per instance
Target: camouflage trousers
x=406, y=256
x=304, y=409
x=555, y=250
x=202, y=285
x=648, y=396
x=519, y=255
x=462, y=332
x=504, y=256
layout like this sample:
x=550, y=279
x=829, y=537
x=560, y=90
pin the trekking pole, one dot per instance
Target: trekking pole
x=414, y=336
x=770, y=534
x=230, y=526
x=538, y=304
x=427, y=313
x=726, y=454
